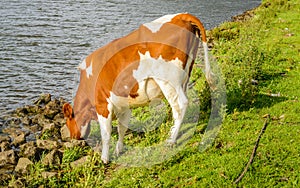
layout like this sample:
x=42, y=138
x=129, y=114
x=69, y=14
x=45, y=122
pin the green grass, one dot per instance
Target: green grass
x=264, y=48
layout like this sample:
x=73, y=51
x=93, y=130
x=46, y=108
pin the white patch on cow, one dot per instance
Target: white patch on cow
x=169, y=71
x=82, y=65
x=148, y=91
x=125, y=87
x=89, y=70
x=106, y=128
x=155, y=25
x=118, y=102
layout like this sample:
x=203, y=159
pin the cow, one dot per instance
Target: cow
x=154, y=61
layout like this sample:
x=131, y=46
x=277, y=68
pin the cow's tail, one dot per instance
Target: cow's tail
x=196, y=22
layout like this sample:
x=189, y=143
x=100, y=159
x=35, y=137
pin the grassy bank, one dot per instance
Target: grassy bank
x=260, y=63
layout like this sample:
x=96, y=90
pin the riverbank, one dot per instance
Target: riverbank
x=259, y=59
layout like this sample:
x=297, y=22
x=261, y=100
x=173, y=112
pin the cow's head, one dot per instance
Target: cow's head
x=71, y=123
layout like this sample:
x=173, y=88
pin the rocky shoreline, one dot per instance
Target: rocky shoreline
x=34, y=133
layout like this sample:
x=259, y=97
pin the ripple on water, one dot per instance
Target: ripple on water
x=41, y=42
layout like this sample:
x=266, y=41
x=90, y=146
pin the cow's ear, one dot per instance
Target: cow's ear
x=68, y=111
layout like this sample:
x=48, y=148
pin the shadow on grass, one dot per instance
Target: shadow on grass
x=259, y=101
x=263, y=100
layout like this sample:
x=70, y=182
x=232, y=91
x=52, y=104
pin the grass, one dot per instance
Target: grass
x=264, y=49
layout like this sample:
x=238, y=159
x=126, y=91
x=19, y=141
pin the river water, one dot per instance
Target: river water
x=42, y=42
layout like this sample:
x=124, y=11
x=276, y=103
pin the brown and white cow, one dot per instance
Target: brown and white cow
x=152, y=62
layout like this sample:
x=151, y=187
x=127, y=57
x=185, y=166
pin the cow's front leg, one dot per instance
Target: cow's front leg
x=123, y=118
x=105, y=127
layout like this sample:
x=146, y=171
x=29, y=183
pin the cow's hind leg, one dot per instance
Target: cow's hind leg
x=123, y=118
x=178, y=102
x=105, y=127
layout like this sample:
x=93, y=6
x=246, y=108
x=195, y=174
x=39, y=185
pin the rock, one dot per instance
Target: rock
x=33, y=109
x=47, y=144
x=18, y=140
x=79, y=162
x=34, y=128
x=13, y=122
x=30, y=150
x=6, y=173
x=50, y=131
x=47, y=175
x=43, y=99
x=59, y=120
x=17, y=183
x=74, y=143
x=52, y=109
x=4, y=146
x=23, y=165
x=13, y=131
x=64, y=132
x=4, y=138
x=26, y=120
x=52, y=158
x=8, y=157
x=40, y=120
x=50, y=114
x=21, y=112
x=48, y=127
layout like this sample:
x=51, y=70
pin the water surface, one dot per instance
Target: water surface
x=42, y=42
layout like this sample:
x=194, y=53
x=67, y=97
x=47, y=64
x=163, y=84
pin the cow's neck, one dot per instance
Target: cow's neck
x=84, y=111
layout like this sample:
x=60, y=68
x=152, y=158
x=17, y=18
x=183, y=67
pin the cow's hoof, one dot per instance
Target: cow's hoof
x=97, y=148
x=171, y=143
x=104, y=160
x=119, y=148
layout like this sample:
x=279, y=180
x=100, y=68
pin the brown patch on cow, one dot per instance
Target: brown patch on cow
x=68, y=111
x=134, y=91
x=71, y=123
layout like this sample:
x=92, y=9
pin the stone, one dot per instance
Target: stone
x=4, y=138
x=4, y=146
x=17, y=183
x=79, y=162
x=51, y=130
x=21, y=112
x=5, y=175
x=65, y=133
x=18, y=140
x=53, y=158
x=49, y=127
x=8, y=157
x=23, y=165
x=74, y=143
x=26, y=120
x=52, y=109
x=15, y=131
x=34, y=128
x=47, y=175
x=40, y=120
x=59, y=120
x=33, y=109
x=43, y=99
x=47, y=144
x=15, y=122
x=30, y=150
